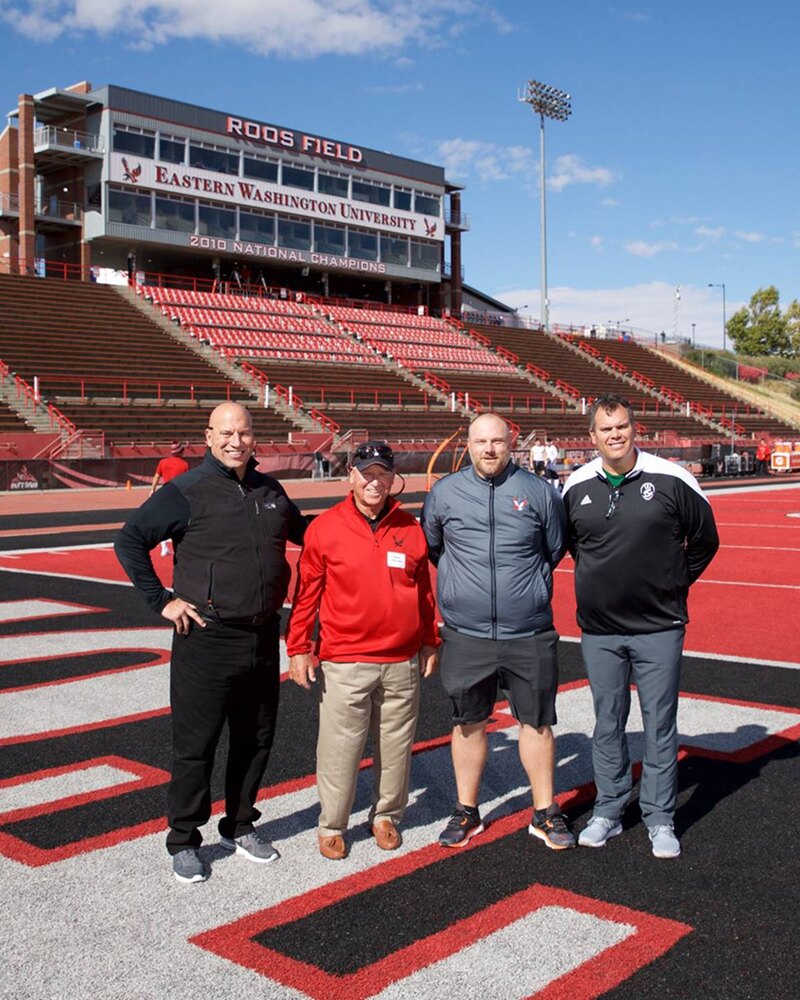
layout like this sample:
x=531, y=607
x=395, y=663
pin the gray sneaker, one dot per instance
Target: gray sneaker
x=187, y=866
x=665, y=843
x=598, y=831
x=253, y=846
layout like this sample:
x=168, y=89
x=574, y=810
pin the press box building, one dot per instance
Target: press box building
x=114, y=181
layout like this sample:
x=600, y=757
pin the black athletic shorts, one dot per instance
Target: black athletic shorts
x=526, y=671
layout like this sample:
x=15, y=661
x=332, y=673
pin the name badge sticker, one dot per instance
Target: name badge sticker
x=396, y=559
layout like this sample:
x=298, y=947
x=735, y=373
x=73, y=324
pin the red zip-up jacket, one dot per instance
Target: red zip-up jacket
x=372, y=589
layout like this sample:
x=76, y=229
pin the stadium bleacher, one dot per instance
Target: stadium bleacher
x=105, y=365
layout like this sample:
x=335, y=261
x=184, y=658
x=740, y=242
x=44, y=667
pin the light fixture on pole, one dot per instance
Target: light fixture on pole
x=724, y=318
x=547, y=102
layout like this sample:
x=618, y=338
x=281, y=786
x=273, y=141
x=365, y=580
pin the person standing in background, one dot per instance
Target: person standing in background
x=537, y=457
x=169, y=468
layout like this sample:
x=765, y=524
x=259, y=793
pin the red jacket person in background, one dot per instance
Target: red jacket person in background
x=762, y=458
x=169, y=468
x=364, y=569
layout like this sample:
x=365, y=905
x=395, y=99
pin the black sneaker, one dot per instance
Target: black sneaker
x=464, y=824
x=550, y=825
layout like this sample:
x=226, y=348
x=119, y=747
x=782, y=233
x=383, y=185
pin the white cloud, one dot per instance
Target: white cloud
x=398, y=88
x=751, y=237
x=610, y=202
x=675, y=220
x=597, y=242
x=300, y=29
x=646, y=309
x=640, y=248
x=463, y=158
x=571, y=169
x=711, y=234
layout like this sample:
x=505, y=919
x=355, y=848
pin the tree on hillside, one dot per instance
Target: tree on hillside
x=761, y=328
x=792, y=316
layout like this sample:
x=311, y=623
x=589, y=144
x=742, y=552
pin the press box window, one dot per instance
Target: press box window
x=334, y=184
x=298, y=177
x=363, y=246
x=426, y=204
x=137, y=143
x=295, y=235
x=394, y=251
x=217, y=160
x=175, y=215
x=257, y=228
x=402, y=199
x=215, y=221
x=261, y=170
x=329, y=239
x=129, y=208
x=371, y=193
x=171, y=150
x=426, y=256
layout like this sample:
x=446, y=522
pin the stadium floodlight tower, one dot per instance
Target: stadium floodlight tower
x=547, y=102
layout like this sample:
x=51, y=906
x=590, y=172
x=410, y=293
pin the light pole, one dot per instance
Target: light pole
x=693, y=340
x=724, y=318
x=547, y=102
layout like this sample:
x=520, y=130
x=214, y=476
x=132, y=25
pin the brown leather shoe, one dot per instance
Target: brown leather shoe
x=386, y=835
x=332, y=848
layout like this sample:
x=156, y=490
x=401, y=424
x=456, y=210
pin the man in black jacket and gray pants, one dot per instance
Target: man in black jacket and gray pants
x=641, y=533
x=229, y=526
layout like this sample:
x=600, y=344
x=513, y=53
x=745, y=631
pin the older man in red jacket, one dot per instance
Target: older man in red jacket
x=364, y=568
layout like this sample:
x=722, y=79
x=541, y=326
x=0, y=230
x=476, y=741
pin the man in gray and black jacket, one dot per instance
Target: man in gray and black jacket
x=229, y=526
x=496, y=533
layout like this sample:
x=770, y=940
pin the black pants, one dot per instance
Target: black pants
x=223, y=673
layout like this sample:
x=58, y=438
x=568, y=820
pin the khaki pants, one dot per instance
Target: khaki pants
x=357, y=699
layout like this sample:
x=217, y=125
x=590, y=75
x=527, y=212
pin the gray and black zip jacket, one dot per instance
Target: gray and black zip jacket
x=496, y=543
x=634, y=562
x=229, y=537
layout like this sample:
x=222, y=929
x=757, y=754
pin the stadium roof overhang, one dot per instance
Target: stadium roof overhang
x=54, y=105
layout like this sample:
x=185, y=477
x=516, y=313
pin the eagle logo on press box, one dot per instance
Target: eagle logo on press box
x=131, y=174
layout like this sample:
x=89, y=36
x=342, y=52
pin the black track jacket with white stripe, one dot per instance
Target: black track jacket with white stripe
x=636, y=559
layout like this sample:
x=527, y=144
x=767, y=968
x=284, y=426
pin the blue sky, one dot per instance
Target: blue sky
x=676, y=168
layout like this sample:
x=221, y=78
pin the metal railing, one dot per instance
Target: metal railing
x=66, y=138
x=29, y=397
x=458, y=219
x=54, y=208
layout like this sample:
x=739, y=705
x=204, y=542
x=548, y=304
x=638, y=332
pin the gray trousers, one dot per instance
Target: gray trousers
x=653, y=663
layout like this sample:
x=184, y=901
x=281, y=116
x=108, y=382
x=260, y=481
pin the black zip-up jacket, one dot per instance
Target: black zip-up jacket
x=229, y=537
x=635, y=561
